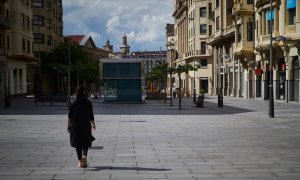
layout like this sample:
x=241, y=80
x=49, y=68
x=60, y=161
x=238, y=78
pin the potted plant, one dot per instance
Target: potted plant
x=200, y=99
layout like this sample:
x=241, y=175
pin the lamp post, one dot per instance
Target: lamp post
x=271, y=93
x=7, y=95
x=69, y=75
x=194, y=59
x=220, y=96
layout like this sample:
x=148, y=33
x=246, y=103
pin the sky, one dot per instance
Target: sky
x=143, y=21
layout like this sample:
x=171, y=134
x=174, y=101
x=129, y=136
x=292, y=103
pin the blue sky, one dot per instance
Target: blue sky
x=143, y=21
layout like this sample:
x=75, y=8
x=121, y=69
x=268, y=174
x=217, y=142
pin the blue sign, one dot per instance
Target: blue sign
x=269, y=15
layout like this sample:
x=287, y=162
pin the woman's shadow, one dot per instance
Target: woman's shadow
x=100, y=168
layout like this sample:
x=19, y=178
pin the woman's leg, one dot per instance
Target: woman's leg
x=85, y=151
x=79, y=153
x=84, y=159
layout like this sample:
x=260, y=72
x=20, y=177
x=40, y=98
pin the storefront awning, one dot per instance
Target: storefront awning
x=290, y=4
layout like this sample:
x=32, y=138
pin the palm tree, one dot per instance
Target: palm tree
x=160, y=72
x=184, y=69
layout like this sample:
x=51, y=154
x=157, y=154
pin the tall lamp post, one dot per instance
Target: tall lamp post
x=271, y=93
x=220, y=96
x=69, y=75
x=194, y=59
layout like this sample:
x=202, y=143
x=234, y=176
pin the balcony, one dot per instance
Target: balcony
x=230, y=29
x=261, y=3
x=203, y=52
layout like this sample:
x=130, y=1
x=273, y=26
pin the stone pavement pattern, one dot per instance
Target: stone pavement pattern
x=238, y=141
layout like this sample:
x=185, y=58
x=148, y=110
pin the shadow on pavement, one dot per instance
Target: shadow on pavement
x=101, y=168
x=26, y=106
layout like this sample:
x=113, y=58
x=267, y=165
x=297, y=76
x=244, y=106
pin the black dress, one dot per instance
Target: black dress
x=81, y=115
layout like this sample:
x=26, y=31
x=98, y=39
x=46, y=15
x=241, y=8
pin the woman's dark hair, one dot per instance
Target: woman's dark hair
x=80, y=91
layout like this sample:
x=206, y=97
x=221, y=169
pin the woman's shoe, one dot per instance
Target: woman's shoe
x=79, y=164
x=84, y=162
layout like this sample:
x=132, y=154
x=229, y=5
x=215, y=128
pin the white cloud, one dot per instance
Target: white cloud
x=143, y=21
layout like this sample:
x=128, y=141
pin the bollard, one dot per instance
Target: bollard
x=220, y=100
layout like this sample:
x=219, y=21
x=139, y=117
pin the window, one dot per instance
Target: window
x=28, y=46
x=60, y=17
x=39, y=38
x=38, y=3
x=60, y=32
x=28, y=22
x=23, y=19
x=49, y=23
x=239, y=33
x=217, y=23
x=209, y=9
x=217, y=3
x=38, y=20
x=291, y=15
x=23, y=45
x=249, y=1
x=59, y=3
x=1, y=42
x=49, y=6
x=270, y=21
x=249, y=31
x=203, y=12
x=203, y=47
x=50, y=40
x=202, y=28
x=203, y=62
x=210, y=30
x=8, y=42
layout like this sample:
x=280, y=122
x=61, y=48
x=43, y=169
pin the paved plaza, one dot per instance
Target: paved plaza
x=155, y=141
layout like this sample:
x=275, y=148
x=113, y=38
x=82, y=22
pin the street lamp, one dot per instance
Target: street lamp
x=69, y=75
x=220, y=96
x=271, y=91
x=194, y=52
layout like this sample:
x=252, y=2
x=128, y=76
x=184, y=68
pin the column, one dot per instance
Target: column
x=215, y=78
x=263, y=23
x=276, y=21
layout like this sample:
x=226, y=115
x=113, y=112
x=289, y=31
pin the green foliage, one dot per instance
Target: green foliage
x=79, y=62
x=202, y=92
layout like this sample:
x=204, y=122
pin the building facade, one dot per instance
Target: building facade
x=284, y=24
x=170, y=57
x=192, y=47
x=16, y=46
x=47, y=27
x=239, y=33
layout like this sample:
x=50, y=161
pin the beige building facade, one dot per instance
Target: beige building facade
x=16, y=46
x=47, y=26
x=191, y=45
x=238, y=36
x=285, y=21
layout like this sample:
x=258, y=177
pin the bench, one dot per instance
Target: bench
x=50, y=98
x=199, y=101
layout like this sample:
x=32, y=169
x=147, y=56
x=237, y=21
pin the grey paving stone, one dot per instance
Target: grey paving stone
x=237, y=142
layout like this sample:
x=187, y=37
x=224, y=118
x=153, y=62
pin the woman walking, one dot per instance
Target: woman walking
x=80, y=124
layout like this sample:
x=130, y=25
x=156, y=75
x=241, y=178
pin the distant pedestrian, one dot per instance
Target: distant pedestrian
x=80, y=124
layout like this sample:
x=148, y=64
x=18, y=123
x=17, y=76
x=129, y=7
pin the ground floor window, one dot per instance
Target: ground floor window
x=295, y=80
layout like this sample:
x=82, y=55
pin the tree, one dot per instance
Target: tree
x=160, y=71
x=58, y=59
x=184, y=69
